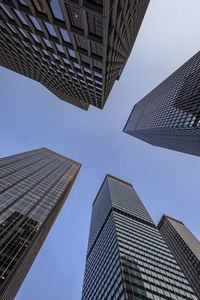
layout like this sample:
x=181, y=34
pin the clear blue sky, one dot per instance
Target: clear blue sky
x=166, y=181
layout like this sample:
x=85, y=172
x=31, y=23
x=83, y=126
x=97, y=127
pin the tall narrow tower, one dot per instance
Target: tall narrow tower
x=185, y=248
x=75, y=48
x=127, y=257
x=33, y=188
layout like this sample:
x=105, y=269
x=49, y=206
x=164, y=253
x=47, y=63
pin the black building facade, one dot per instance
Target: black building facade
x=169, y=116
x=33, y=188
x=127, y=257
x=75, y=48
x=185, y=248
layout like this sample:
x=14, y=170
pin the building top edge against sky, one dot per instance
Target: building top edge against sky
x=41, y=148
x=191, y=240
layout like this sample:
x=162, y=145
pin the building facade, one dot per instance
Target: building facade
x=185, y=248
x=33, y=188
x=75, y=48
x=169, y=116
x=127, y=257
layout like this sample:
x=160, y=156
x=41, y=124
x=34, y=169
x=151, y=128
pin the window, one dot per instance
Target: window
x=81, y=41
x=72, y=53
x=50, y=29
x=97, y=63
x=95, y=24
x=7, y=12
x=55, y=6
x=47, y=43
x=96, y=48
x=65, y=35
x=35, y=23
x=20, y=17
x=75, y=16
x=60, y=48
x=85, y=58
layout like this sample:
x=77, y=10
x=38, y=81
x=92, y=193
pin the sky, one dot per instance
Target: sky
x=165, y=180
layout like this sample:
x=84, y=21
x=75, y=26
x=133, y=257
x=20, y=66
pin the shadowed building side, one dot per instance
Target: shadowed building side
x=169, y=116
x=76, y=49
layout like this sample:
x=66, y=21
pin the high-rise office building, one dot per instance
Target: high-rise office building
x=127, y=257
x=75, y=48
x=169, y=116
x=33, y=188
x=185, y=248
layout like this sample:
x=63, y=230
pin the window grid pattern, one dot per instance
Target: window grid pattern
x=33, y=186
x=102, y=279
x=125, y=21
x=150, y=271
x=129, y=254
x=181, y=242
x=169, y=116
x=100, y=211
x=74, y=48
x=119, y=190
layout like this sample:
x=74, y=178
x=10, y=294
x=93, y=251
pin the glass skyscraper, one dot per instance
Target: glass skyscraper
x=127, y=257
x=185, y=248
x=75, y=48
x=33, y=188
x=169, y=116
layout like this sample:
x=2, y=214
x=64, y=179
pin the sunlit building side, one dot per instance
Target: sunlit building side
x=185, y=248
x=33, y=188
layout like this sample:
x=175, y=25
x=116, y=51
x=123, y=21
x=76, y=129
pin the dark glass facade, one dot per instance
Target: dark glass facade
x=127, y=257
x=185, y=248
x=169, y=116
x=75, y=48
x=33, y=187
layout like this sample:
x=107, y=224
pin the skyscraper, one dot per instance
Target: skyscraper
x=75, y=48
x=185, y=248
x=33, y=188
x=169, y=116
x=127, y=257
